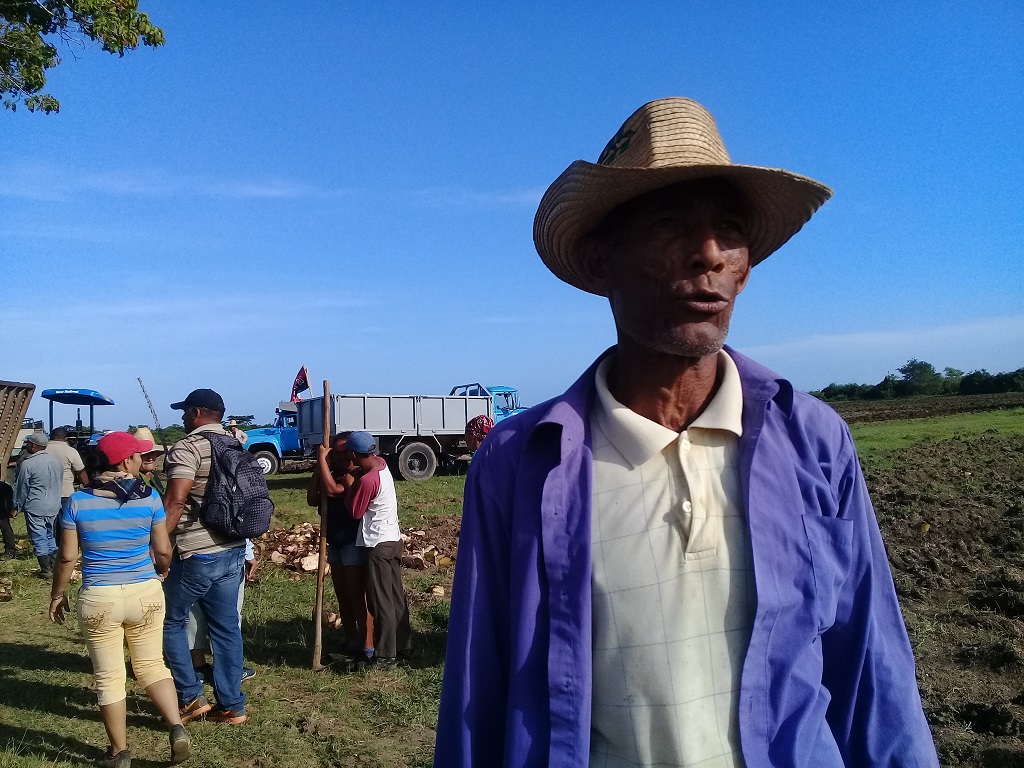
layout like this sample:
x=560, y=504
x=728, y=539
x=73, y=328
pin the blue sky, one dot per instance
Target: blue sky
x=352, y=187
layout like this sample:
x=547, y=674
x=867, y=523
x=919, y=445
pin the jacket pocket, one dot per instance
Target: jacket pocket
x=830, y=541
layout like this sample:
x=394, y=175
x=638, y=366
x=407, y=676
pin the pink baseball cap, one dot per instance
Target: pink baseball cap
x=118, y=446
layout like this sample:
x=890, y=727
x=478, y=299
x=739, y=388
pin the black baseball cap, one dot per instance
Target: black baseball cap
x=201, y=398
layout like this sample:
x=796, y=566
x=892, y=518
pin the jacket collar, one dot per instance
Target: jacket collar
x=570, y=411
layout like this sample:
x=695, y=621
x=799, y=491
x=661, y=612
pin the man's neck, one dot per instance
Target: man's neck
x=666, y=389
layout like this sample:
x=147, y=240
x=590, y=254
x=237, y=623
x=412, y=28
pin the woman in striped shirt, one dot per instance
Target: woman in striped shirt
x=118, y=521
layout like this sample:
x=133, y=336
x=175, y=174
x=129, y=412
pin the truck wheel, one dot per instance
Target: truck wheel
x=267, y=461
x=417, y=461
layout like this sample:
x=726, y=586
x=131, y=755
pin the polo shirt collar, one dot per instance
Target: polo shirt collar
x=638, y=438
x=725, y=411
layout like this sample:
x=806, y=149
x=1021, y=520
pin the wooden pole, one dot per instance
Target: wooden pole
x=321, y=565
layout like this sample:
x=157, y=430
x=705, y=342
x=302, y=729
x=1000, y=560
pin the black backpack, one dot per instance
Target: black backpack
x=237, y=501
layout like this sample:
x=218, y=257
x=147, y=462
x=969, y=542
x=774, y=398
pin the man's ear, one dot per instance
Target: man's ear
x=592, y=263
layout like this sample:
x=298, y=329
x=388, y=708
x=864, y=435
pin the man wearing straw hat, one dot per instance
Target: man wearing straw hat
x=676, y=562
x=149, y=473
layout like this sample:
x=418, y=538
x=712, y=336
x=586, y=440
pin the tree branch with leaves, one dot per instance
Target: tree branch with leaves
x=29, y=29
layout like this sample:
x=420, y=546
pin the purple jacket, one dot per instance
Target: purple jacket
x=828, y=679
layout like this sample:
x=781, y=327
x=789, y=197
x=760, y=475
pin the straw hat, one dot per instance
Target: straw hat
x=665, y=142
x=145, y=433
x=118, y=446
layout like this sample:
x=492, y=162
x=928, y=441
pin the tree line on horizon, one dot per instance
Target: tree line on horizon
x=918, y=378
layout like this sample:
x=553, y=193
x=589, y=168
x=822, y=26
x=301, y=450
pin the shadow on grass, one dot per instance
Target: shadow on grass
x=51, y=747
x=47, y=745
x=428, y=648
x=72, y=702
x=280, y=482
x=60, y=700
x=25, y=656
x=277, y=642
x=290, y=644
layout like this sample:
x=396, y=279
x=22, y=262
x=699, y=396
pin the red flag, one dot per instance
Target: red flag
x=301, y=383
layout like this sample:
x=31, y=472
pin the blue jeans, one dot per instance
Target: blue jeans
x=212, y=581
x=41, y=532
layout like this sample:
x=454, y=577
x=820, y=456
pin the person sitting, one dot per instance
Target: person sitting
x=118, y=522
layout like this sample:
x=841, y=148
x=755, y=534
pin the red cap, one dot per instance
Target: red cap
x=118, y=446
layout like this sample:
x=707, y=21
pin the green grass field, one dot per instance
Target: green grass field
x=48, y=715
x=877, y=440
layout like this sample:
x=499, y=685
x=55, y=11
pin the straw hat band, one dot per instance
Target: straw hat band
x=662, y=138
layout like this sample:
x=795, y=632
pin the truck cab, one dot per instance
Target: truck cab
x=506, y=399
x=272, y=445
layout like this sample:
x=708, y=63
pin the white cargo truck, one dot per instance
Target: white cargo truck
x=415, y=433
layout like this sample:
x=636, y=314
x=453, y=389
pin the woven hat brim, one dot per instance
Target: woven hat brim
x=781, y=202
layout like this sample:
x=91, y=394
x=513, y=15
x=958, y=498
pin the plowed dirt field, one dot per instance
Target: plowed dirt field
x=952, y=515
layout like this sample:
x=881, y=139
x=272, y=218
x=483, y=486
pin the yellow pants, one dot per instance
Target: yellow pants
x=112, y=614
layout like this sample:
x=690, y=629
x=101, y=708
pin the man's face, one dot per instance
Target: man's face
x=188, y=418
x=339, y=460
x=672, y=263
x=363, y=461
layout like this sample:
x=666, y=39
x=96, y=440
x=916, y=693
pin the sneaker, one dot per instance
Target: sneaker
x=228, y=716
x=248, y=673
x=181, y=745
x=122, y=759
x=198, y=707
x=385, y=662
x=8, y=555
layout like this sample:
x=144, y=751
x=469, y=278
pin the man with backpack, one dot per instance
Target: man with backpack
x=207, y=567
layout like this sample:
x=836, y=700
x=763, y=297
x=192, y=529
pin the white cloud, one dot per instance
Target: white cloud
x=50, y=183
x=445, y=197
x=168, y=318
x=996, y=344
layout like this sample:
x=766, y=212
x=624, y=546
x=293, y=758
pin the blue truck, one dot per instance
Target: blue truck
x=273, y=445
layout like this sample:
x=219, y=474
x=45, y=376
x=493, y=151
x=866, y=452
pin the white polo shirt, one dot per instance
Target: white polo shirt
x=673, y=588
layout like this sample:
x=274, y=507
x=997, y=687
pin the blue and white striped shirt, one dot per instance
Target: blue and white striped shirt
x=115, y=537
